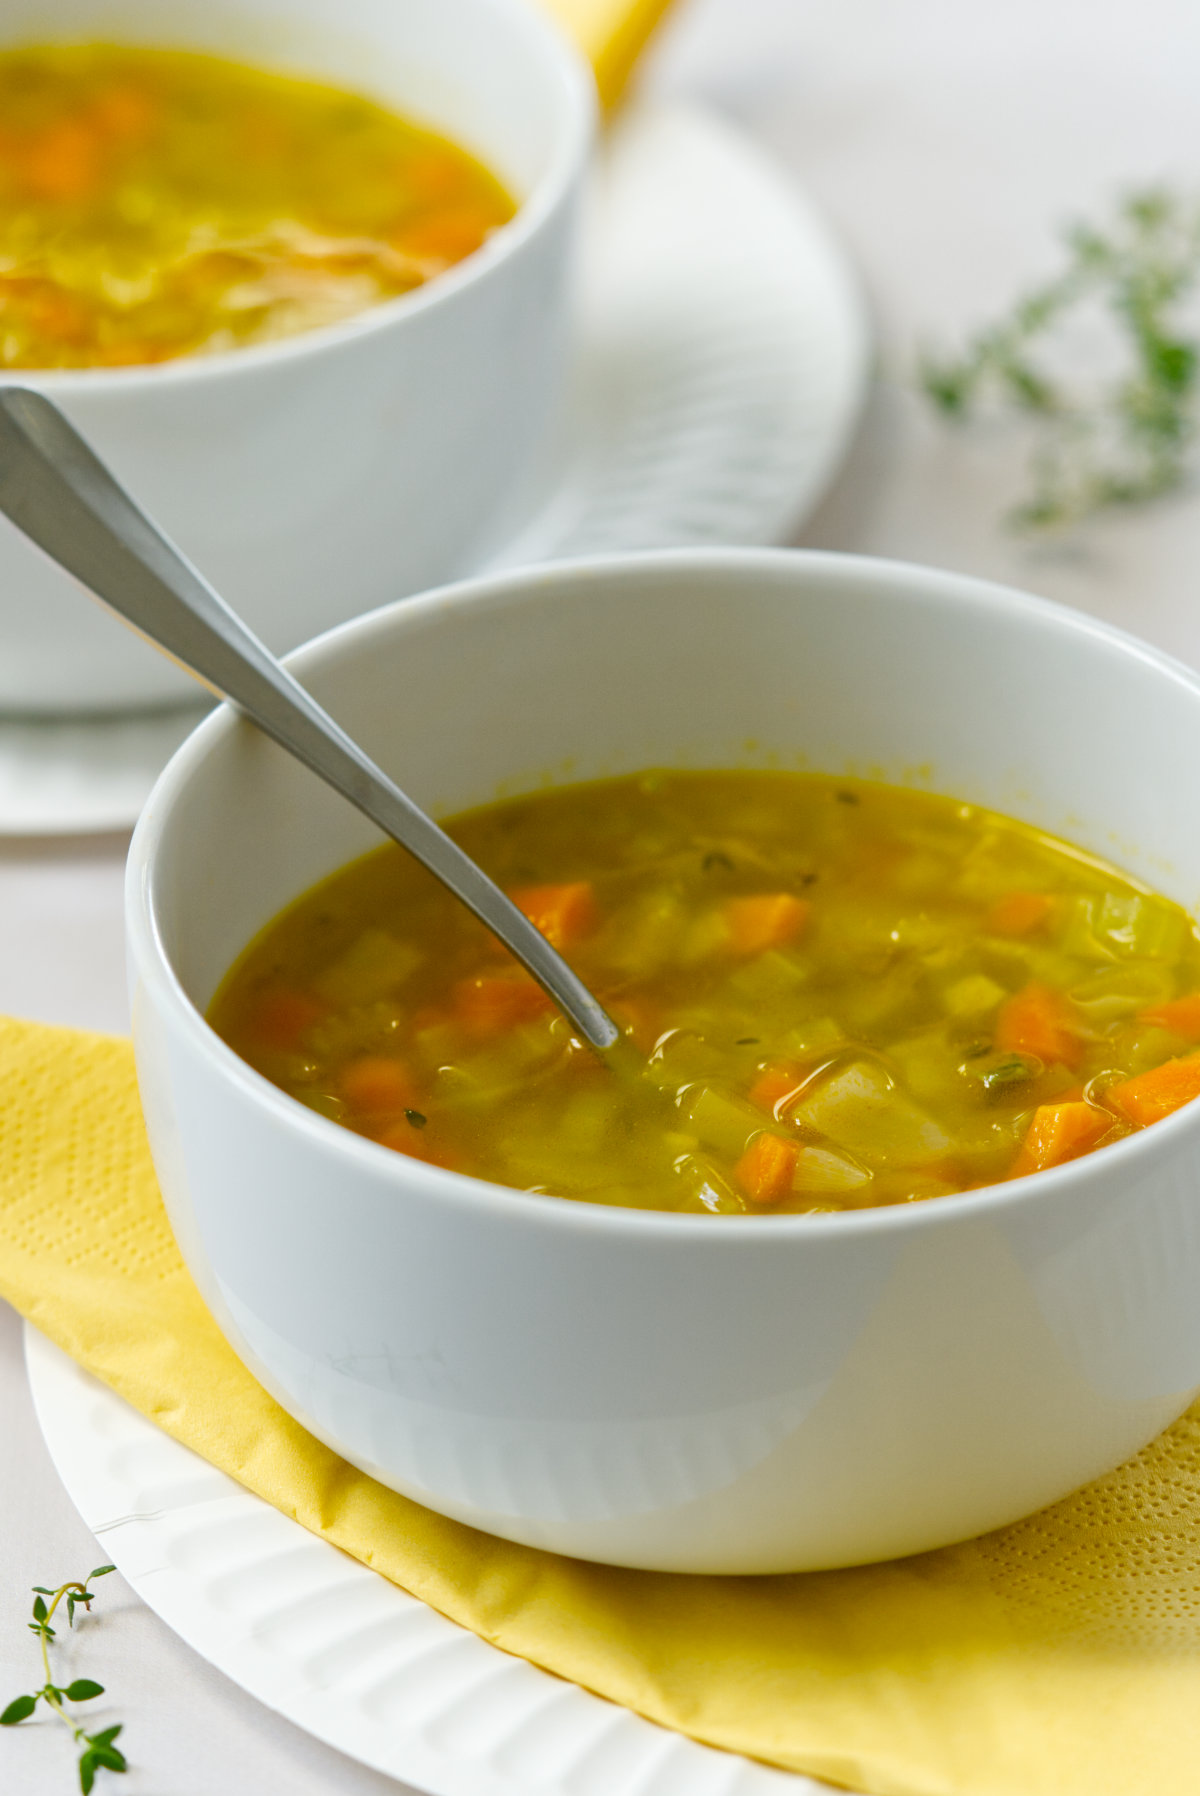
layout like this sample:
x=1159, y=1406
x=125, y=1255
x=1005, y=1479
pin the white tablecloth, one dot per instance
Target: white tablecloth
x=946, y=142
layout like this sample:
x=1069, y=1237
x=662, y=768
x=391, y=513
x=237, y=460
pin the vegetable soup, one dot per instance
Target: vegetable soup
x=846, y=995
x=156, y=204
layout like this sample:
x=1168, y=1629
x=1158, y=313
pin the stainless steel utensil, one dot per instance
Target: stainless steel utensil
x=58, y=491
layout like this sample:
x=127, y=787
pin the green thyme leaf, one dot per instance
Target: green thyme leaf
x=83, y=1690
x=1121, y=440
x=99, y=1751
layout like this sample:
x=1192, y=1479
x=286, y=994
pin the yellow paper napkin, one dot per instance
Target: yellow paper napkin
x=1060, y=1657
x=611, y=34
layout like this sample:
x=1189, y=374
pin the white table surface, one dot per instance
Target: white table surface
x=946, y=141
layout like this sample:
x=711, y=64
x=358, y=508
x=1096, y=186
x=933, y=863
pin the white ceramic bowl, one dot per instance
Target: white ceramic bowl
x=689, y=1393
x=315, y=478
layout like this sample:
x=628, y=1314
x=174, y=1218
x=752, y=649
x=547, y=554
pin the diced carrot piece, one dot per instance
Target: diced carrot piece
x=773, y=1085
x=124, y=112
x=1058, y=1133
x=1180, y=1015
x=767, y=920
x=446, y=236
x=1148, y=1097
x=767, y=1168
x=562, y=913
x=492, y=1002
x=1019, y=913
x=63, y=162
x=1039, y=1021
x=378, y=1083
x=281, y=1017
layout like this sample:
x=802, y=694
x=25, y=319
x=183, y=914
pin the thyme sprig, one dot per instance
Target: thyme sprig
x=97, y=1750
x=1117, y=442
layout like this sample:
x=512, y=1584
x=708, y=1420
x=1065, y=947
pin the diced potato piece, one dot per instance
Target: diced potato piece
x=928, y=1067
x=860, y=1107
x=373, y=966
x=769, y=975
x=645, y=934
x=705, y=936
x=972, y=996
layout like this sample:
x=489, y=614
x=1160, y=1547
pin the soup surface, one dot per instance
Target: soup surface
x=156, y=204
x=847, y=994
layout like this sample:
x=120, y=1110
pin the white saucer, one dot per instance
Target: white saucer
x=721, y=365
x=333, y=1646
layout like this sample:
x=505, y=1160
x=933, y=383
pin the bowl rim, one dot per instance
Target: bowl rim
x=565, y=69
x=149, y=956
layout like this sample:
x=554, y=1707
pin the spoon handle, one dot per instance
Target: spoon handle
x=55, y=489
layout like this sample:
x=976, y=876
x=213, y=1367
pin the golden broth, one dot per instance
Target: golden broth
x=156, y=204
x=849, y=995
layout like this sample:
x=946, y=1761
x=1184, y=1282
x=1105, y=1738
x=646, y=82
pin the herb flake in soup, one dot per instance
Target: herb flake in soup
x=849, y=994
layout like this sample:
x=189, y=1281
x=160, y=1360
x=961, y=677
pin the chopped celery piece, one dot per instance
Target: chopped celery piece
x=706, y=1188
x=1115, y=992
x=1137, y=924
x=819, y=1169
x=722, y=1123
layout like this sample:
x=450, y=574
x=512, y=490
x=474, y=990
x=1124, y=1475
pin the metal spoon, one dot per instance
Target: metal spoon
x=55, y=489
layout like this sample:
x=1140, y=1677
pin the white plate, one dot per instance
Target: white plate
x=718, y=378
x=333, y=1646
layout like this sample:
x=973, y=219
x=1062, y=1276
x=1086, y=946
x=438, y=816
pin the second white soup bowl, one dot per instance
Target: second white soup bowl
x=687, y=1393
x=319, y=476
